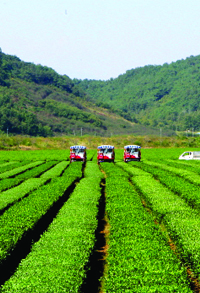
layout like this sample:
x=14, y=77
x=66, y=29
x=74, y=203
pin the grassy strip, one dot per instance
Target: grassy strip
x=5, y=164
x=44, y=155
x=57, y=261
x=192, y=165
x=12, y=195
x=9, y=183
x=139, y=259
x=159, y=198
x=182, y=222
x=91, y=154
x=12, y=165
x=18, y=170
x=185, y=189
x=35, y=172
x=24, y=215
x=189, y=175
x=56, y=170
x=73, y=169
x=133, y=171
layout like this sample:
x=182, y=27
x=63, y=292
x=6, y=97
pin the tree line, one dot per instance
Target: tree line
x=165, y=96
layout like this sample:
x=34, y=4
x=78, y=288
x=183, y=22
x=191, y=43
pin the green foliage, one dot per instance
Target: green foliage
x=63, y=110
x=174, y=202
x=138, y=259
x=37, y=171
x=15, y=120
x=11, y=165
x=179, y=185
x=3, y=75
x=29, y=210
x=159, y=96
x=9, y=183
x=189, y=175
x=37, y=101
x=57, y=170
x=12, y=195
x=148, y=205
x=57, y=262
x=19, y=170
x=25, y=157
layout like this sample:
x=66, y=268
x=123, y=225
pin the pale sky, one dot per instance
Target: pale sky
x=99, y=39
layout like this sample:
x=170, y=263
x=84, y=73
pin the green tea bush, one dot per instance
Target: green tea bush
x=12, y=195
x=181, y=221
x=28, y=211
x=138, y=258
x=58, y=260
x=37, y=171
x=56, y=170
x=9, y=183
x=18, y=170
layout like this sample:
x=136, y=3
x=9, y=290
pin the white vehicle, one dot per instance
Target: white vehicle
x=190, y=156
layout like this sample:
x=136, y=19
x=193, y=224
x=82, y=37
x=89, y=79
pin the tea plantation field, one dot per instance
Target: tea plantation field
x=114, y=227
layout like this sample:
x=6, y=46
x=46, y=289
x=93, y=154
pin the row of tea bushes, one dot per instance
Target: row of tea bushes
x=71, y=170
x=57, y=262
x=56, y=171
x=191, y=165
x=182, y=222
x=9, y=183
x=20, y=169
x=185, y=189
x=4, y=164
x=43, y=155
x=189, y=175
x=12, y=195
x=23, y=215
x=91, y=154
x=12, y=165
x=36, y=171
x=139, y=259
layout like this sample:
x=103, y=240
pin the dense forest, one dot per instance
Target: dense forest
x=166, y=96
x=37, y=101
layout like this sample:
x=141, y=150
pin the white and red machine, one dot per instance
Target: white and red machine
x=132, y=153
x=77, y=153
x=105, y=153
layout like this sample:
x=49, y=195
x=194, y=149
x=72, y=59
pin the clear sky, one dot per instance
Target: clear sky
x=99, y=39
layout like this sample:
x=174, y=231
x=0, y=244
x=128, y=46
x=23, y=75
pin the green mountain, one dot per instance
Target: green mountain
x=166, y=96
x=37, y=101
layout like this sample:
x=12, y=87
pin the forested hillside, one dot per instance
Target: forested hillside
x=166, y=96
x=37, y=101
